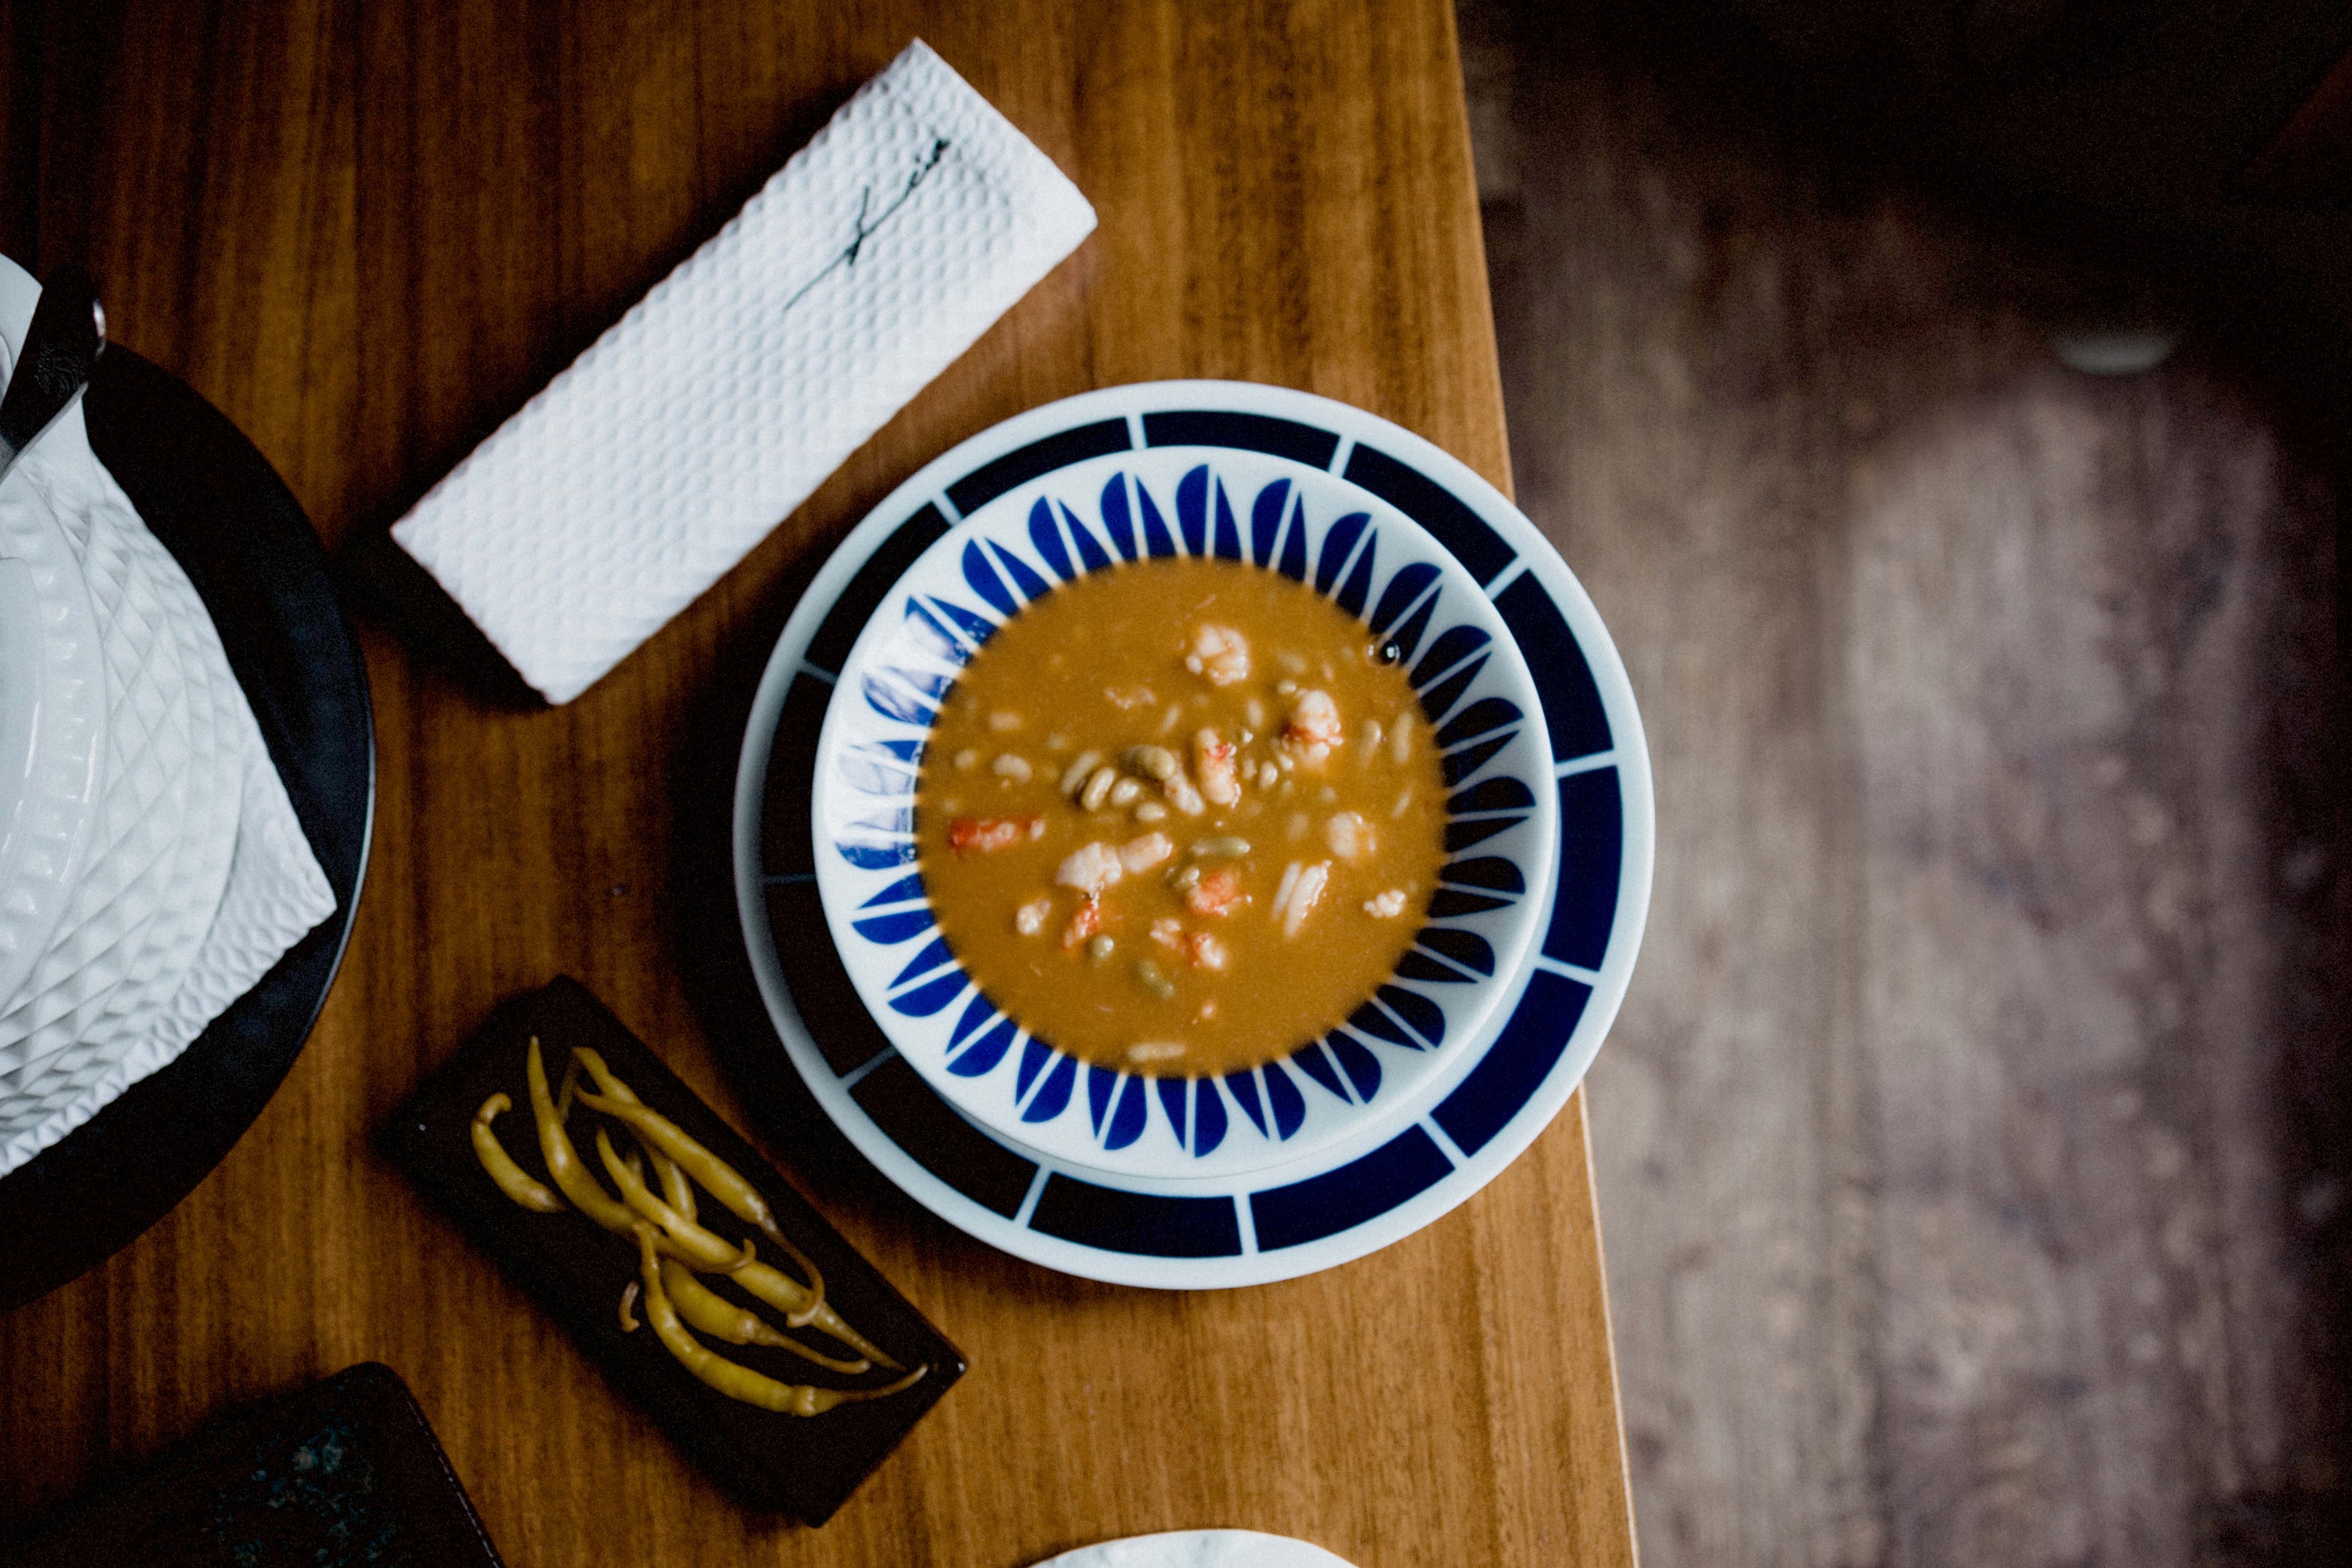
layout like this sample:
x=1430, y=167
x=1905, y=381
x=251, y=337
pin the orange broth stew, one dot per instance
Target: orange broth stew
x=1181, y=817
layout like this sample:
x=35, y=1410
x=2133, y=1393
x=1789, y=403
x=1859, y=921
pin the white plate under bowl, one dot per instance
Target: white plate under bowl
x=1102, y=514
x=1451, y=1134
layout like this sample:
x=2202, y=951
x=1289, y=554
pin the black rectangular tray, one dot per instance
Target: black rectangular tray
x=806, y=1466
x=342, y=1473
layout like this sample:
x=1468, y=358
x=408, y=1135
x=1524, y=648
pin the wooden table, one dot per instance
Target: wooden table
x=368, y=233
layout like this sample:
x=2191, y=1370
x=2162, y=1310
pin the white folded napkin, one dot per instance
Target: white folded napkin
x=1200, y=1548
x=650, y=465
x=199, y=877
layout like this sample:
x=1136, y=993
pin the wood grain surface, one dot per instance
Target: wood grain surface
x=368, y=233
x=1973, y=1146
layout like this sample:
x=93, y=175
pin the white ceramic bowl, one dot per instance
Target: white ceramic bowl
x=1273, y=514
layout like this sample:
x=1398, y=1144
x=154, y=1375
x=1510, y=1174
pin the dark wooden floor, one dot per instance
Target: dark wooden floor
x=1972, y=1147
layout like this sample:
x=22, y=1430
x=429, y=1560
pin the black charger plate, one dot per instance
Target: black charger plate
x=243, y=540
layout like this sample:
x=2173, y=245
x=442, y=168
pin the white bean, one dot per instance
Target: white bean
x=1349, y=835
x=1076, y=774
x=1153, y=761
x=1098, y=788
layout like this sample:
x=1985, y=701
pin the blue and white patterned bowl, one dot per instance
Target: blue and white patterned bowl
x=1462, y=1128
x=1018, y=544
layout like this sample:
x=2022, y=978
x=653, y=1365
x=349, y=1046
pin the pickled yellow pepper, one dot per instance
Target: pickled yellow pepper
x=572, y=1177
x=721, y=1180
x=669, y=1231
x=699, y=1249
x=721, y=1319
x=697, y=1245
x=732, y=1378
x=675, y=1185
x=511, y=1178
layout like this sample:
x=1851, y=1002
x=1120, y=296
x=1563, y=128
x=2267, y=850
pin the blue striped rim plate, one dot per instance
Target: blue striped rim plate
x=1097, y=515
x=1384, y=1176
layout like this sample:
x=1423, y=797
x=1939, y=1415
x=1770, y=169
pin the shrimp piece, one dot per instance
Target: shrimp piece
x=1385, y=906
x=1140, y=855
x=1168, y=930
x=1090, y=869
x=1220, y=655
x=1030, y=918
x=1083, y=925
x=1213, y=759
x=987, y=834
x=1216, y=893
x=1314, y=729
x=1206, y=951
x=1302, y=888
x=1182, y=796
x=1312, y=883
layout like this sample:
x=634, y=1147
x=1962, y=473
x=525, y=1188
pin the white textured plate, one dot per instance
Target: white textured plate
x=52, y=730
x=1099, y=514
x=1464, y=1123
x=165, y=827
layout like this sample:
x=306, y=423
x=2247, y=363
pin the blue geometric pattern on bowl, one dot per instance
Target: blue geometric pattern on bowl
x=1377, y=564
